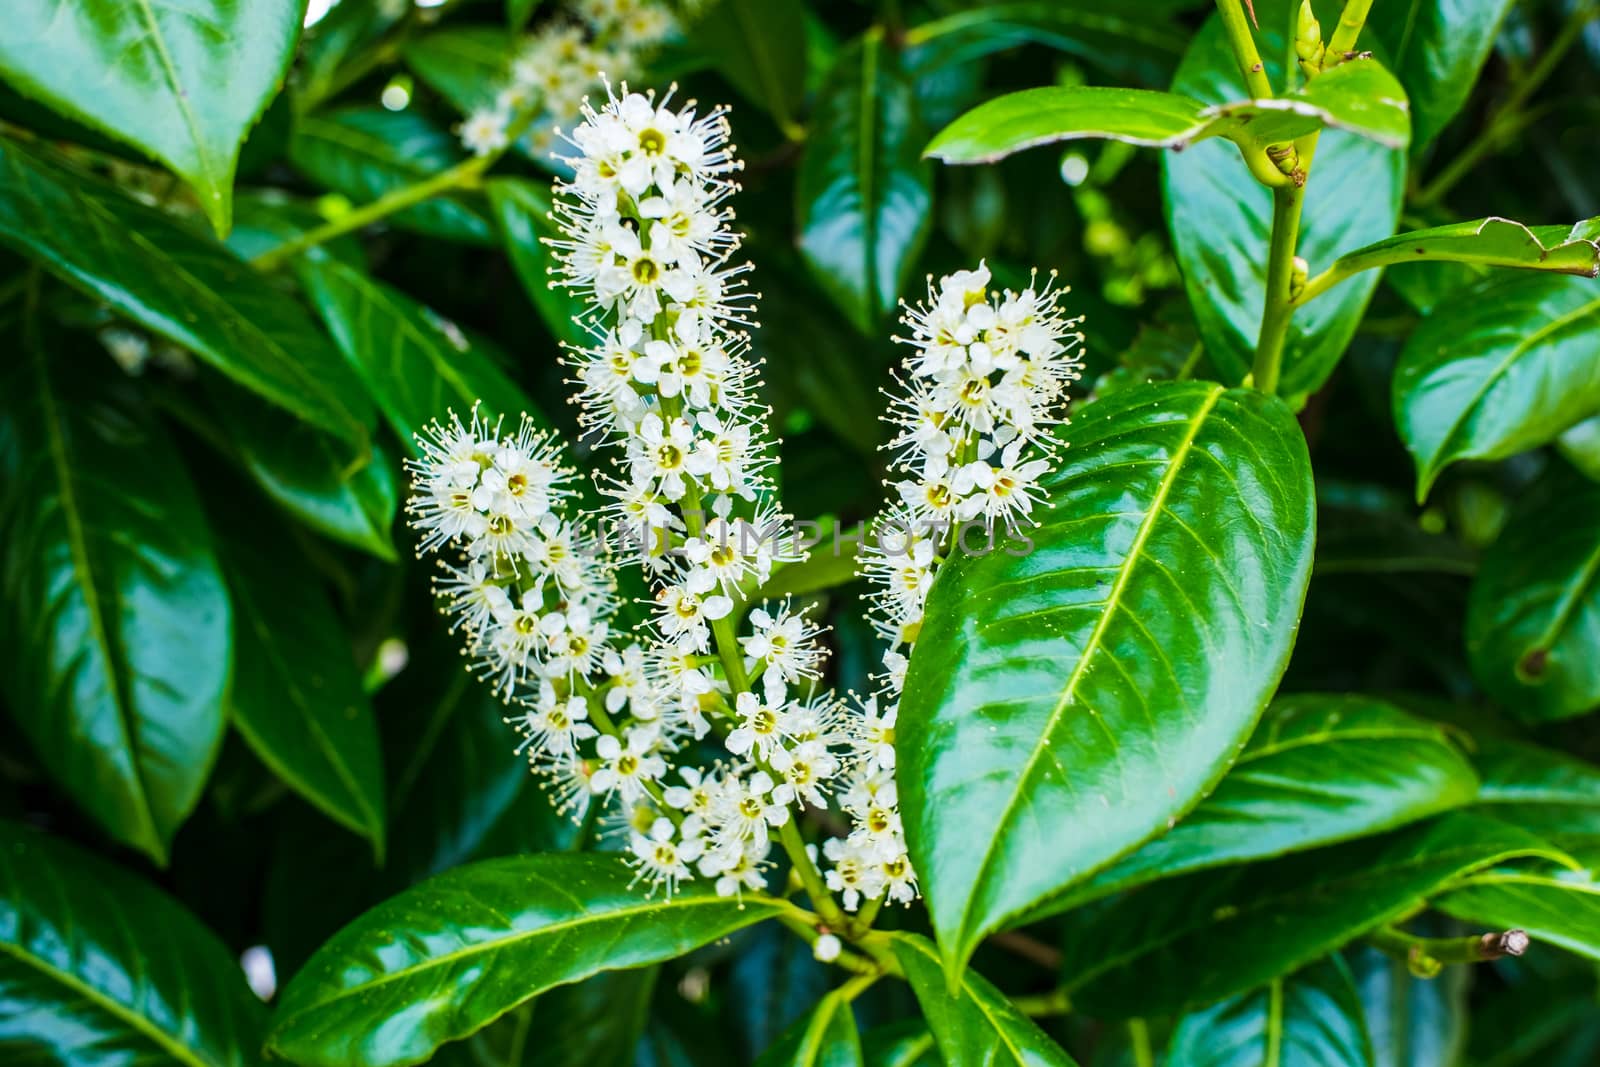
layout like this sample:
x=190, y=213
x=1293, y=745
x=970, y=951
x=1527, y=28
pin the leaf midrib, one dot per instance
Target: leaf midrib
x=1092, y=645
x=202, y=155
x=72, y=514
x=639, y=906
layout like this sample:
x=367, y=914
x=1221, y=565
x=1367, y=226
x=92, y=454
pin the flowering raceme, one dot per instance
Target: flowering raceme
x=621, y=720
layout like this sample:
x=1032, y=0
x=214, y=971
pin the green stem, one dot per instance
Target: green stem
x=857, y=985
x=1055, y=1002
x=461, y=176
x=1343, y=41
x=795, y=845
x=1425, y=955
x=1507, y=118
x=1237, y=26
x=1287, y=202
x=1139, y=1043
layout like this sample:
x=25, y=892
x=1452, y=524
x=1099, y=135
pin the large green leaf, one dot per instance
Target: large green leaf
x=1413, y=1022
x=115, y=632
x=1129, y=43
x=183, y=83
x=1104, y=679
x=1503, y=367
x=1548, y=793
x=97, y=967
x=1140, y=955
x=1437, y=48
x=1220, y=219
x=758, y=45
x=296, y=695
x=904, y=1044
x=1533, y=618
x=308, y=473
x=864, y=194
x=446, y=958
x=1360, y=97
x=593, y=1023
x=824, y=1038
x=1560, y=907
x=1311, y=1017
x=366, y=152
x=180, y=285
x=1319, y=769
x=415, y=366
x=522, y=209
x=974, y=1022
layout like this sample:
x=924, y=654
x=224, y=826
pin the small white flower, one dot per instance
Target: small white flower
x=485, y=131
x=827, y=947
x=625, y=768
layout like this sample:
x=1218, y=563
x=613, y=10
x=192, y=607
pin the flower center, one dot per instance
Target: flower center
x=627, y=764
x=517, y=484
x=558, y=719
x=878, y=820
x=653, y=141
x=723, y=555
x=669, y=457
x=763, y=721
x=525, y=625
x=750, y=808
x=500, y=525
x=645, y=270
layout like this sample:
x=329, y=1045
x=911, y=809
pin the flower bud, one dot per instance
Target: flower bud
x=1308, y=40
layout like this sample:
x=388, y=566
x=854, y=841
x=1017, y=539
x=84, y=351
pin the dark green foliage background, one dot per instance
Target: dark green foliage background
x=233, y=719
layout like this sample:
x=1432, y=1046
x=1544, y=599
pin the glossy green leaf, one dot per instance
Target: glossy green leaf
x=1320, y=768
x=1412, y=1022
x=1533, y=618
x=522, y=209
x=309, y=474
x=1136, y=955
x=467, y=65
x=1562, y=907
x=864, y=194
x=1491, y=242
x=180, y=285
x=1580, y=444
x=824, y=1038
x=182, y=83
x=1125, y=42
x=98, y=967
x=296, y=694
x=1545, y=792
x=1499, y=369
x=115, y=634
x=1360, y=97
x=446, y=958
x=1311, y=1017
x=975, y=1022
x=905, y=1044
x=367, y=152
x=593, y=1023
x=1437, y=49
x=1077, y=680
x=416, y=366
x=1220, y=219
x=756, y=45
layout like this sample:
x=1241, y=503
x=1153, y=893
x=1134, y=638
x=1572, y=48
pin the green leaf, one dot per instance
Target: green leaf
x=1220, y=219
x=99, y=967
x=180, y=285
x=304, y=471
x=367, y=152
x=522, y=209
x=825, y=1038
x=1437, y=49
x=1311, y=1017
x=115, y=634
x=1135, y=955
x=296, y=694
x=905, y=1044
x=493, y=934
x=1082, y=683
x=1490, y=242
x=1547, y=793
x=973, y=1022
x=414, y=364
x=1412, y=1022
x=1321, y=768
x=182, y=83
x=864, y=196
x=757, y=46
x=594, y=1023
x=1580, y=444
x=1128, y=43
x=328, y=48
x=1360, y=97
x=518, y=12
x=1533, y=617
x=467, y=65
x=1499, y=369
x=1562, y=908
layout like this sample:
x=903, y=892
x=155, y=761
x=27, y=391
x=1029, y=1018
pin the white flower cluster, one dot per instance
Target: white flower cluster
x=987, y=382
x=562, y=62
